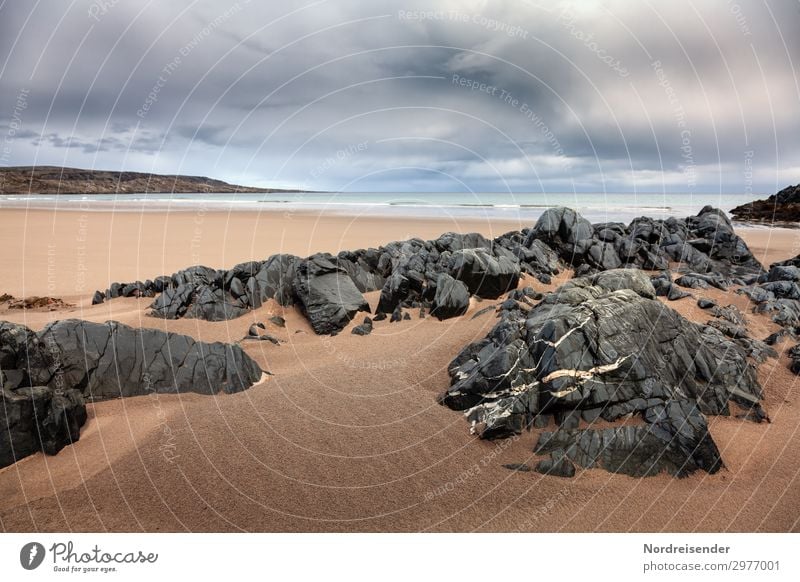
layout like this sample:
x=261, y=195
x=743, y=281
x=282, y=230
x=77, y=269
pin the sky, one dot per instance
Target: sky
x=430, y=96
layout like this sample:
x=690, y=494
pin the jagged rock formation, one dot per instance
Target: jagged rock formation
x=703, y=249
x=777, y=294
x=451, y=299
x=46, y=377
x=603, y=347
x=781, y=207
x=329, y=297
x=38, y=418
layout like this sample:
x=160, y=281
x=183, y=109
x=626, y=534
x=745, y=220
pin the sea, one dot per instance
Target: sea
x=596, y=207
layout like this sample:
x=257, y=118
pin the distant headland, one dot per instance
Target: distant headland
x=58, y=180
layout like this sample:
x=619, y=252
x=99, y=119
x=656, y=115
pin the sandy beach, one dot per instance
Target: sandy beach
x=347, y=434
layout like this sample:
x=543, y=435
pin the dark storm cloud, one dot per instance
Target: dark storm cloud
x=445, y=95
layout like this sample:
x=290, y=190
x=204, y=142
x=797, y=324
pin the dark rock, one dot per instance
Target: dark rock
x=778, y=208
x=662, y=283
x=603, y=342
x=784, y=273
x=676, y=440
x=406, y=317
x=704, y=303
x=591, y=414
x=361, y=266
x=397, y=314
x=619, y=279
x=277, y=320
x=675, y=293
x=395, y=290
x=112, y=360
x=756, y=294
x=568, y=418
x=45, y=377
x=561, y=467
x=452, y=241
x=484, y=311
x=363, y=329
x=276, y=277
x=729, y=329
x=38, y=418
x=603, y=256
x=252, y=294
x=213, y=304
x=265, y=338
x=701, y=281
x=794, y=354
x=173, y=302
x=25, y=360
x=782, y=289
x=484, y=275
x=779, y=335
x=380, y=316
x=452, y=298
x=541, y=420
x=730, y=314
x=161, y=283
x=98, y=297
x=565, y=231
x=328, y=296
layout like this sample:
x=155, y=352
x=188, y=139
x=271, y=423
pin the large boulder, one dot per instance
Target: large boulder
x=275, y=279
x=453, y=241
x=38, y=410
x=484, y=274
x=216, y=304
x=38, y=418
x=452, y=298
x=564, y=230
x=46, y=377
x=362, y=266
x=726, y=252
x=327, y=294
x=173, y=302
x=602, y=345
x=395, y=290
x=112, y=360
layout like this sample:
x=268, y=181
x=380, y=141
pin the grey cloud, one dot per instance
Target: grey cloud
x=574, y=100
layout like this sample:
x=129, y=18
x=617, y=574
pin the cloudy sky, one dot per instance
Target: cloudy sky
x=442, y=95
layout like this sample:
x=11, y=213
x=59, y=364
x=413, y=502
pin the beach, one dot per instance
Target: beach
x=347, y=434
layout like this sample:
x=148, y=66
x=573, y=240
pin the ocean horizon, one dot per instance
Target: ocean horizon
x=596, y=207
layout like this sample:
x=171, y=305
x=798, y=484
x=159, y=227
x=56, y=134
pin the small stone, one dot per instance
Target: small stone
x=363, y=329
x=397, y=314
x=704, y=303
